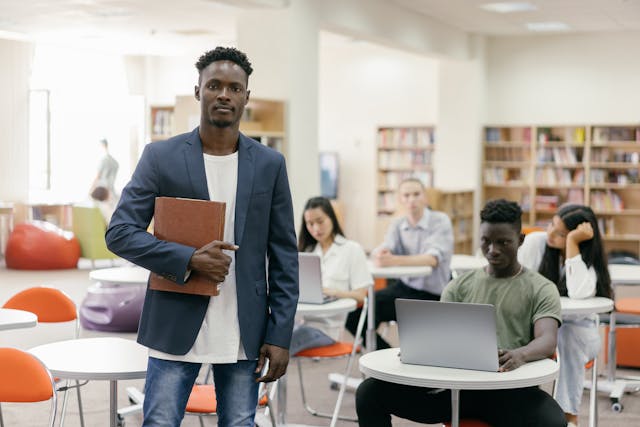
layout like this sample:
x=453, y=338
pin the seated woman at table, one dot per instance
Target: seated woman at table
x=570, y=254
x=345, y=272
x=527, y=317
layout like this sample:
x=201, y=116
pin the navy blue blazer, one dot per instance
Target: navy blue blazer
x=266, y=261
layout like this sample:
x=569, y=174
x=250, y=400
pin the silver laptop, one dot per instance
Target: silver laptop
x=447, y=334
x=310, y=279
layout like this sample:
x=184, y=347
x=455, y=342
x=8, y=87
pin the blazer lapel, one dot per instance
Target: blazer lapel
x=246, y=170
x=195, y=165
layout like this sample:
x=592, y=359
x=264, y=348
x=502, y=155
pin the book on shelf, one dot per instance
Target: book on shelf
x=190, y=222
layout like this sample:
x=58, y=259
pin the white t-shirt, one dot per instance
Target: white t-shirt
x=344, y=267
x=218, y=340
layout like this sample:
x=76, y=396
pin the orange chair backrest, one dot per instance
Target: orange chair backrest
x=51, y=305
x=23, y=378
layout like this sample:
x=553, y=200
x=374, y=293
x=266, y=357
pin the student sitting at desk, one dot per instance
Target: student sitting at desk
x=527, y=317
x=570, y=254
x=345, y=273
x=424, y=238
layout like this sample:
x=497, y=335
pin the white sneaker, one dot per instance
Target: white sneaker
x=572, y=425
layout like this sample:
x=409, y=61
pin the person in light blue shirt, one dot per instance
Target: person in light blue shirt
x=422, y=237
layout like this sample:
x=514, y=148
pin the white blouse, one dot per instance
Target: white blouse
x=581, y=281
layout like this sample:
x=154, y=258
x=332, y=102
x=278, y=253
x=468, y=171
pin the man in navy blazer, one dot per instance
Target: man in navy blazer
x=257, y=265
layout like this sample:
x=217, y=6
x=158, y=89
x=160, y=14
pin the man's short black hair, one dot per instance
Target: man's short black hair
x=502, y=211
x=224, y=54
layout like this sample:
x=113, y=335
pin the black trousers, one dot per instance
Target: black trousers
x=377, y=400
x=385, y=308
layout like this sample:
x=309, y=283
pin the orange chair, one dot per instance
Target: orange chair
x=338, y=349
x=202, y=401
x=51, y=305
x=24, y=378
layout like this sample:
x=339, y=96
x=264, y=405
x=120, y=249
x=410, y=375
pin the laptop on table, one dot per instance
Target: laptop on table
x=447, y=334
x=310, y=279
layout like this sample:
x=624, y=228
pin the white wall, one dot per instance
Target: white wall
x=364, y=86
x=564, y=79
x=15, y=73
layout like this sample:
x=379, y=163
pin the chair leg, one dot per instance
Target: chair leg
x=64, y=403
x=201, y=418
x=304, y=397
x=593, y=395
x=1, y=420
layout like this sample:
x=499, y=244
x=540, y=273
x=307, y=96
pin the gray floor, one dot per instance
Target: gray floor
x=95, y=394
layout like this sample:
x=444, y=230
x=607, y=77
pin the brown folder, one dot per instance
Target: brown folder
x=189, y=222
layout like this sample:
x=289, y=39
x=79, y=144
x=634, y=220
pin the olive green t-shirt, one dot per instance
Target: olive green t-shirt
x=519, y=301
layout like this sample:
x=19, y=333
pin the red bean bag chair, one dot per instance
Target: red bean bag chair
x=39, y=245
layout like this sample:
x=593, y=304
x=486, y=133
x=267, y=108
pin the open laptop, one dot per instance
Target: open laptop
x=310, y=275
x=447, y=334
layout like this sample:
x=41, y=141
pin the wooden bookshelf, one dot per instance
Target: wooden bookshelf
x=161, y=124
x=543, y=167
x=402, y=152
x=263, y=120
x=458, y=204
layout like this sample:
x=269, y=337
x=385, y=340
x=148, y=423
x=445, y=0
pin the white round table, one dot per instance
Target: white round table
x=461, y=263
x=105, y=358
x=120, y=275
x=385, y=365
x=585, y=306
x=16, y=319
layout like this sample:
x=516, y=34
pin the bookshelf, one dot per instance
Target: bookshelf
x=263, y=120
x=543, y=167
x=458, y=204
x=161, y=125
x=402, y=152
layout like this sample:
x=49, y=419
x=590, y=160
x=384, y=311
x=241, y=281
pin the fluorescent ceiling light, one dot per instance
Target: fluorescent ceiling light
x=547, y=26
x=508, y=7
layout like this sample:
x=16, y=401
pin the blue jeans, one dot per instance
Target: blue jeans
x=169, y=383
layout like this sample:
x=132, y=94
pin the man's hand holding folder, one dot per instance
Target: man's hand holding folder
x=211, y=261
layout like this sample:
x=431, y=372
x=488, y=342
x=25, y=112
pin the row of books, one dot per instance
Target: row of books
x=574, y=135
x=553, y=176
x=559, y=156
x=618, y=156
x=391, y=180
x=514, y=134
x=406, y=137
x=404, y=159
x=507, y=154
x=498, y=176
x=602, y=176
x=606, y=201
x=602, y=134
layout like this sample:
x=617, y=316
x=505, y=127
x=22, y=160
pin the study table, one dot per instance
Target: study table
x=461, y=263
x=339, y=306
x=104, y=358
x=16, y=319
x=385, y=365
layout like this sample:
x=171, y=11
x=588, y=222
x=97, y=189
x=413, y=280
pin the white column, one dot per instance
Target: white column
x=283, y=48
x=15, y=75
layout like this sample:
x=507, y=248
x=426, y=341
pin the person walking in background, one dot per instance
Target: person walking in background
x=107, y=171
x=527, y=318
x=570, y=254
x=345, y=273
x=422, y=237
x=252, y=318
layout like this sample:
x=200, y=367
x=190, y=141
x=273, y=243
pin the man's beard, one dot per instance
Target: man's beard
x=220, y=123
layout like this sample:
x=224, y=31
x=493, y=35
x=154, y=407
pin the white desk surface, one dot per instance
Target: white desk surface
x=342, y=305
x=461, y=262
x=386, y=365
x=103, y=358
x=120, y=275
x=397, y=271
x=586, y=306
x=622, y=274
x=16, y=319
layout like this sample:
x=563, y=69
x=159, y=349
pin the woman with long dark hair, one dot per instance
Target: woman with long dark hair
x=345, y=273
x=570, y=254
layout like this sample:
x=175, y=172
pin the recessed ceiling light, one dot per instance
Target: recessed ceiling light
x=509, y=7
x=547, y=26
